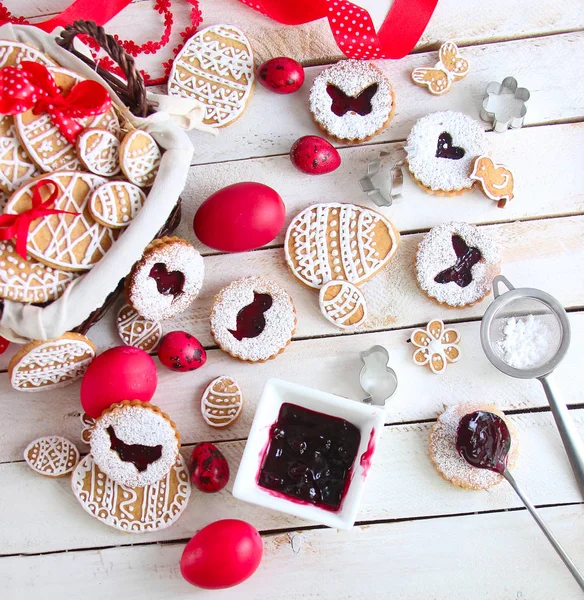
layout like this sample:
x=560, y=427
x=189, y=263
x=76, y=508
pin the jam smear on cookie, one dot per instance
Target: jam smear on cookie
x=461, y=272
x=167, y=283
x=140, y=456
x=483, y=440
x=250, y=319
x=310, y=457
x=342, y=103
x=445, y=149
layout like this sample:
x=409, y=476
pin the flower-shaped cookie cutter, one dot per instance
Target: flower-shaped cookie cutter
x=504, y=104
x=377, y=379
x=396, y=180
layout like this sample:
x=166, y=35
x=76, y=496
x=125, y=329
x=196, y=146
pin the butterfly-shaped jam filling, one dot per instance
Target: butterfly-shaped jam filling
x=250, y=319
x=140, y=456
x=445, y=149
x=360, y=104
x=167, y=283
x=461, y=272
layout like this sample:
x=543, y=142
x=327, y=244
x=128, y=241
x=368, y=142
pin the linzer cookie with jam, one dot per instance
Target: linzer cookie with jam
x=456, y=264
x=352, y=101
x=166, y=280
x=134, y=443
x=442, y=148
x=253, y=319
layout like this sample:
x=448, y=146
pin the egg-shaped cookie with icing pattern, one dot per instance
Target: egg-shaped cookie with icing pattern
x=115, y=203
x=222, y=402
x=139, y=158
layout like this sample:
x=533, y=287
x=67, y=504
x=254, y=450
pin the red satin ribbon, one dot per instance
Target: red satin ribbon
x=17, y=226
x=31, y=85
x=352, y=26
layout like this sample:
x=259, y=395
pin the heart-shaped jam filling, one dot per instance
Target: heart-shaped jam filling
x=140, y=456
x=250, y=319
x=360, y=104
x=167, y=283
x=461, y=272
x=445, y=149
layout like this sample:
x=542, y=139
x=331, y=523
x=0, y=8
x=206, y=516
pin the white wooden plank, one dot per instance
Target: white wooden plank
x=45, y=517
x=501, y=555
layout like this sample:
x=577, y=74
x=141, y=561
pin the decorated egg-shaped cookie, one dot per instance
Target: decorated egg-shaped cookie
x=135, y=510
x=70, y=242
x=138, y=331
x=13, y=53
x=52, y=456
x=222, y=402
x=343, y=304
x=99, y=151
x=139, y=158
x=216, y=68
x=339, y=242
x=115, y=203
x=16, y=166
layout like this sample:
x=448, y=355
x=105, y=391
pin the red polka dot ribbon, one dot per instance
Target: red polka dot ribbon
x=17, y=226
x=31, y=86
x=352, y=26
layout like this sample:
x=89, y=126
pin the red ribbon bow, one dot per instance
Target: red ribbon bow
x=31, y=85
x=17, y=226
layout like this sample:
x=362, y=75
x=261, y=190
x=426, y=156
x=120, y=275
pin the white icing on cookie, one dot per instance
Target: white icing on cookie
x=340, y=242
x=87, y=424
x=221, y=402
x=52, y=456
x=68, y=242
x=134, y=424
x=99, y=151
x=137, y=331
x=13, y=53
x=352, y=77
x=115, y=203
x=51, y=364
x=28, y=280
x=140, y=158
x=445, y=174
x=347, y=308
x=280, y=319
x=436, y=253
x=216, y=67
x=16, y=167
x=134, y=510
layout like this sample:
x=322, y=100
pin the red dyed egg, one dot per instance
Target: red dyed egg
x=314, y=155
x=120, y=373
x=281, y=75
x=221, y=555
x=181, y=351
x=3, y=345
x=240, y=217
x=210, y=470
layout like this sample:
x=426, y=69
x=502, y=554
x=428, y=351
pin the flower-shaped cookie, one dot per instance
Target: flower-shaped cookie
x=504, y=104
x=435, y=346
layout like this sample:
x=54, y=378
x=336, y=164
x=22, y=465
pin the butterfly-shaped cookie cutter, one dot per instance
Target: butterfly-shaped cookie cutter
x=396, y=180
x=504, y=118
x=450, y=68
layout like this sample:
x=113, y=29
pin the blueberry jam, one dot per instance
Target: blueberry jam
x=466, y=258
x=310, y=457
x=483, y=440
x=140, y=456
x=445, y=149
x=341, y=103
x=167, y=283
x=250, y=319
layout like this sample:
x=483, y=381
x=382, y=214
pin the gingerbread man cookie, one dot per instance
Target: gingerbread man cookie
x=52, y=456
x=139, y=158
x=115, y=203
x=216, y=68
x=99, y=152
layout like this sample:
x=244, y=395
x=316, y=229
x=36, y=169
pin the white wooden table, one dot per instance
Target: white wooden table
x=417, y=536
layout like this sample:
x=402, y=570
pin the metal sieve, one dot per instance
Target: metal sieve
x=547, y=318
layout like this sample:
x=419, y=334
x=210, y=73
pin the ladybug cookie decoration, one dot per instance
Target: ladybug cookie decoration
x=281, y=75
x=210, y=470
x=181, y=351
x=314, y=155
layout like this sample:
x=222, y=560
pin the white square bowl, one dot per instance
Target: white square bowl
x=368, y=419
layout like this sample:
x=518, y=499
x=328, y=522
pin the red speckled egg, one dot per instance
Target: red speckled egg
x=210, y=470
x=281, y=75
x=180, y=351
x=221, y=555
x=3, y=345
x=240, y=217
x=120, y=373
x=314, y=155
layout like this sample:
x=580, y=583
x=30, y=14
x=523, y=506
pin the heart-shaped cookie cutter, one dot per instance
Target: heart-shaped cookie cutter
x=503, y=118
x=378, y=380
